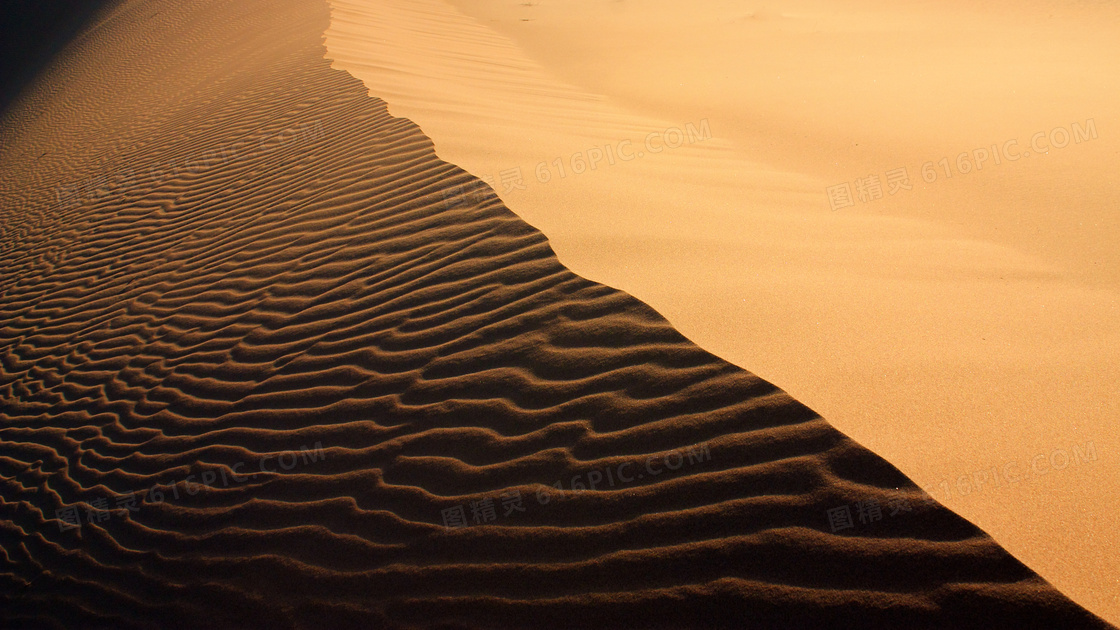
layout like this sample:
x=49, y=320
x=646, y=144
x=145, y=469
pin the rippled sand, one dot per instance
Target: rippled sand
x=267, y=361
x=965, y=323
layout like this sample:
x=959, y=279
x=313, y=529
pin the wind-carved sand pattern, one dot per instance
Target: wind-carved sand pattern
x=318, y=346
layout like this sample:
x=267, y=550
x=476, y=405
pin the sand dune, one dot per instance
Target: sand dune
x=267, y=361
x=963, y=324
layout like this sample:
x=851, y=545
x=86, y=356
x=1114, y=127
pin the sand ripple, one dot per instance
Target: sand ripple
x=344, y=386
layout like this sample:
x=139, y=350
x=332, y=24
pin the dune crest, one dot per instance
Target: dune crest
x=267, y=361
x=978, y=310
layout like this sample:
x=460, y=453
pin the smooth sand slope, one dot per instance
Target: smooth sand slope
x=965, y=325
x=304, y=346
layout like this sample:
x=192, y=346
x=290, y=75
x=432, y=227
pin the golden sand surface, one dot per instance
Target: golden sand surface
x=268, y=361
x=961, y=322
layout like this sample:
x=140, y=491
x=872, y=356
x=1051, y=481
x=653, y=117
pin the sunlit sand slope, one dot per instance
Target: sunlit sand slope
x=266, y=361
x=952, y=304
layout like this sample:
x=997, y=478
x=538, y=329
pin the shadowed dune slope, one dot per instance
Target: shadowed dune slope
x=237, y=290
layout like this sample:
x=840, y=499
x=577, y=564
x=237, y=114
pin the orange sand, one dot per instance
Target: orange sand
x=267, y=361
x=965, y=324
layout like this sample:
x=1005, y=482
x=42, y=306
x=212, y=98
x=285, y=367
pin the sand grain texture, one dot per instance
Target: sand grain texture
x=259, y=260
x=964, y=325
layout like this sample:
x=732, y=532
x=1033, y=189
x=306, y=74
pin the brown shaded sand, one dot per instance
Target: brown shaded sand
x=967, y=329
x=263, y=308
